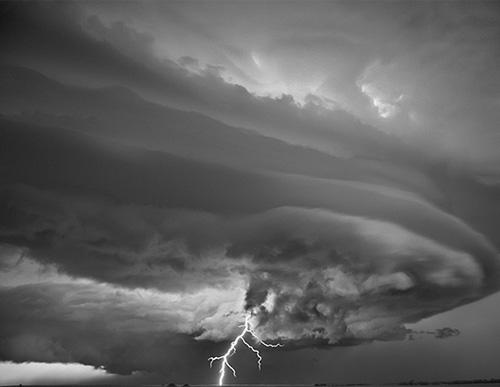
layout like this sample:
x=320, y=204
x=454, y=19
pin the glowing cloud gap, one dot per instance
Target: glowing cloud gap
x=247, y=328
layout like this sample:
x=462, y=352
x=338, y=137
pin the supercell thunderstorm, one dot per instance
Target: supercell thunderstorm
x=180, y=183
x=304, y=276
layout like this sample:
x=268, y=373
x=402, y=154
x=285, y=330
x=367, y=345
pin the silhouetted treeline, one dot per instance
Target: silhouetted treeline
x=415, y=383
x=471, y=381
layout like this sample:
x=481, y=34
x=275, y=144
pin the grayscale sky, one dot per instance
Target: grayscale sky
x=330, y=169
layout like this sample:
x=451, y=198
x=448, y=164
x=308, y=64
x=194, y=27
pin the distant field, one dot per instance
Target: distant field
x=492, y=384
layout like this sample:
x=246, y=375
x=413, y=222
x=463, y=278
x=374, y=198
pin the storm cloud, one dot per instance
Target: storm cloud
x=150, y=197
x=318, y=261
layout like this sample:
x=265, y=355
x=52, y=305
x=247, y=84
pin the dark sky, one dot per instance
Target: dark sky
x=330, y=169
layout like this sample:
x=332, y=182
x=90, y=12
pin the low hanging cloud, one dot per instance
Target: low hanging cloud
x=121, y=330
x=307, y=274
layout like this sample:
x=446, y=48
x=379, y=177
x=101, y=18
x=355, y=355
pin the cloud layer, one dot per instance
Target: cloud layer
x=150, y=197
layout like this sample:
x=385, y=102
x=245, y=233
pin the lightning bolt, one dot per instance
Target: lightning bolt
x=247, y=329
